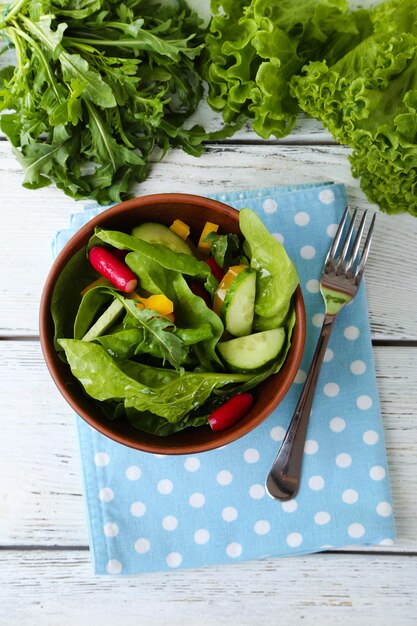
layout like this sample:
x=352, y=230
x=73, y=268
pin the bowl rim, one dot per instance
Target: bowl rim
x=73, y=245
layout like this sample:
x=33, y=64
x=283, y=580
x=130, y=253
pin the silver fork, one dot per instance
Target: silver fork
x=339, y=284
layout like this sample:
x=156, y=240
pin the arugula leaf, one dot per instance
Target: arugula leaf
x=158, y=341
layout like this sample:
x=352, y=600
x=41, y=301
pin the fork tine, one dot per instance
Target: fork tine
x=356, y=243
x=337, y=237
x=347, y=241
x=365, y=251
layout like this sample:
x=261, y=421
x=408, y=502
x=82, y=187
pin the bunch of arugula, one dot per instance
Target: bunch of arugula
x=98, y=84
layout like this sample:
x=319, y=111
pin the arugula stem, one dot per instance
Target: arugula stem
x=15, y=8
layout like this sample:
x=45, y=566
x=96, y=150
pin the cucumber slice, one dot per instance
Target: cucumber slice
x=105, y=320
x=253, y=351
x=238, y=306
x=158, y=233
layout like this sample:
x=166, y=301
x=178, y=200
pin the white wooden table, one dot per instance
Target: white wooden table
x=45, y=572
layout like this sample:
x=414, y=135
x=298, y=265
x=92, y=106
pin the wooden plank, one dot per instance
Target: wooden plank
x=40, y=485
x=29, y=220
x=55, y=587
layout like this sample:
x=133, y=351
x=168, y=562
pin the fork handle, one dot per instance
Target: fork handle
x=283, y=479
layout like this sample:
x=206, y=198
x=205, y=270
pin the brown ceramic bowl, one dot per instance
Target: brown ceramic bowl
x=164, y=208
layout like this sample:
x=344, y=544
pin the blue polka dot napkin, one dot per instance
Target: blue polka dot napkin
x=151, y=512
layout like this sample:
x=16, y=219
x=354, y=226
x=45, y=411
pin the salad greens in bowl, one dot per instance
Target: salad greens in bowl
x=173, y=323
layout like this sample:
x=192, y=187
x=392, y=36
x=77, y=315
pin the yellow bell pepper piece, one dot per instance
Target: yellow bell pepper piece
x=180, y=228
x=209, y=227
x=159, y=303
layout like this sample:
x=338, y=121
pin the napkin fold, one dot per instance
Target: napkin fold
x=151, y=512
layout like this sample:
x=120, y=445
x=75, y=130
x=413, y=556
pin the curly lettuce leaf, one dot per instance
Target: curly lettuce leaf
x=254, y=47
x=368, y=100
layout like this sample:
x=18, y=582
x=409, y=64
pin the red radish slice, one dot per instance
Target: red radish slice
x=216, y=270
x=109, y=266
x=231, y=411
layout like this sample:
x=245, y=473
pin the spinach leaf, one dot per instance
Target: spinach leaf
x=66, y=296
x=151, y=423
x=167, y=258
x=277, y=277
x=91, y=304
x=104, y=379
x=122, y=344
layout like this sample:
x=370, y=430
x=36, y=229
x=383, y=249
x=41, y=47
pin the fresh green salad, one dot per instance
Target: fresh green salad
x=164, y=331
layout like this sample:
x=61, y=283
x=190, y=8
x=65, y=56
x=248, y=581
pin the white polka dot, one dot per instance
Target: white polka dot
x=371, y=437
x=311, y=446
x=138, y=509
x=331, y=390
x=358, y=367
x=318, y=320
x=165, y=486
x=113, y=566
x=356, y=530
x=364, y=402
x=279, y=237
x=316, y=483
x=174, y=559
x=269, y=205
x=234, y=550
x=331, y=230
x=294, y=540
x=384, y=509
x=343, y=460
x=308, y=252
x=169, y=522
x=101, y=459
x=201, y=536
x=326, y=196
x=106, y=494
x=350, y=496
x=196, y=500
x=133, y=472
x=386, y=542
x=301, y=218
x=328, y=355
x=313, y=285
x=262, y=527
x=321, y=518
x=110, y=529
x=257, y=492
x=290, y=506
x=229, y=514
x=159, y=456
x=251, y=455
x=351, y=332
x=300, y=377
x=377, y=472
x=142, y=545
x=224, y=477
x=337, y=424
x=277, y=433
x=192, y=464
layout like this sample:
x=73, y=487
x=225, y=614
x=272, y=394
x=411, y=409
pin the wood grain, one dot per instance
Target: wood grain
x=56, y=587
x=40, y=483
x=30, y=219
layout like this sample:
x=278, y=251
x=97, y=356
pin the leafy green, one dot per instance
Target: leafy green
x=97, y=86
x=91, y=304
x=66, y=296
x=367, y=98
x=103, y=379
x=253, y=49
x=277, y=277
x=224, y=248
